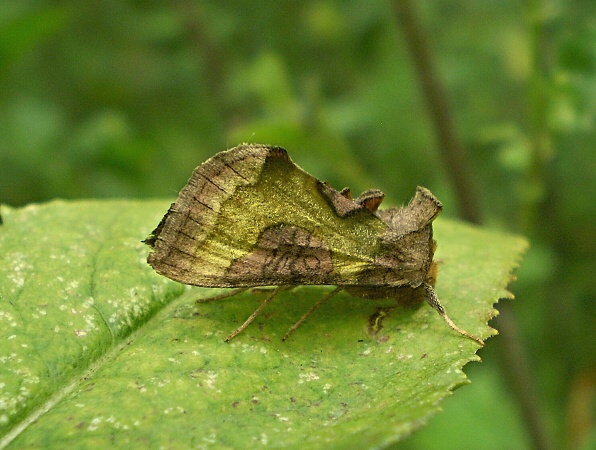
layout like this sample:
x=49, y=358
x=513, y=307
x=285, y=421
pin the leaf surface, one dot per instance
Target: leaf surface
x=97, y=350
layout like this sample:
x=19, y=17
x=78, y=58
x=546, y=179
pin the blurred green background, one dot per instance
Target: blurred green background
x=123, y=98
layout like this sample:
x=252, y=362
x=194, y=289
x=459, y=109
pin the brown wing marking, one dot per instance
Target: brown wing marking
x=283, y=255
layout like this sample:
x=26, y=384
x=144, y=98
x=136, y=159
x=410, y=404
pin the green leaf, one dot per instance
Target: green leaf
x=97, y=350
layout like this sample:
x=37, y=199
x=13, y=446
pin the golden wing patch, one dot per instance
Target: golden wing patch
x=251, y=209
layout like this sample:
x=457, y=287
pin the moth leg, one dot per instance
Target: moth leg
x=222, y=296
x=259, y=290
x=433, y=301
x=310, y=311
x=257, y=311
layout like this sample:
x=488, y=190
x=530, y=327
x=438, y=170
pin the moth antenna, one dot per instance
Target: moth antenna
x=226, y=294
x=257, y=311
x=310, y=311
x=433, y=300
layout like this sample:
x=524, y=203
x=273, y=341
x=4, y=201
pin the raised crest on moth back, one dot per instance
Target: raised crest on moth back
x=249, y=216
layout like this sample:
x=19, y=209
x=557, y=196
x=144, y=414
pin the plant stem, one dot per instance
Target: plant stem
x=451, y=149
x=514, y=356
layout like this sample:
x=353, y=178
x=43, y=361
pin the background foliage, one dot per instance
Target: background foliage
x=119, y=98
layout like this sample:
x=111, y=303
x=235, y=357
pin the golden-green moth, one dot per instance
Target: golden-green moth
x=249, y=217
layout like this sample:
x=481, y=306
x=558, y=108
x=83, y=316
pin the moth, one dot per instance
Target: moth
x=249, y=217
